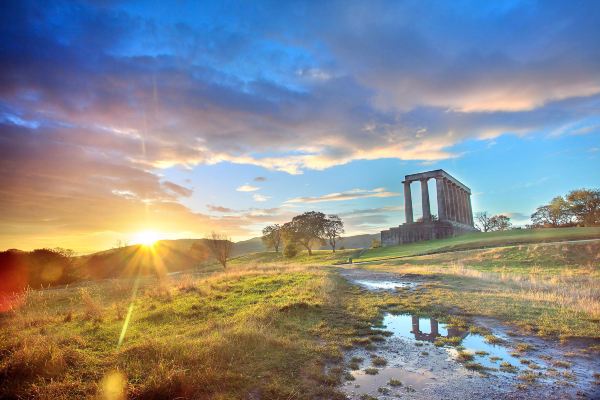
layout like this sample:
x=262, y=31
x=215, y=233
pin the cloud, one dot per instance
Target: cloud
x=219, y=209
x=260, y=179
x=260, y=197
x=516, y=216
x=178, y=189
x=344, y=196
x=247, y=188
x=97, y=99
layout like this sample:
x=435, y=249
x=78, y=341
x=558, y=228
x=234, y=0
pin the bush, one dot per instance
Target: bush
x=375, y=244
x=291, y=250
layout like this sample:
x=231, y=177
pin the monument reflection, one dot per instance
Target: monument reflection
x=434, y=331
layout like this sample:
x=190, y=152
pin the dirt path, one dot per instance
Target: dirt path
x=546, y=369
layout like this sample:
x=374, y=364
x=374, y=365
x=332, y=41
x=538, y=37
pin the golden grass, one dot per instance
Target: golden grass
x=268, y=331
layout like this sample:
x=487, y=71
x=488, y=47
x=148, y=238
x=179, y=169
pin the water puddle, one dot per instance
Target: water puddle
x=424, y=358
x=486, y=354
x=390, y=380
x=383, y=285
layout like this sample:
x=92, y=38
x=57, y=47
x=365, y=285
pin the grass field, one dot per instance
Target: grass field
x=269, y=327
x=267, y=331
x=481, y=240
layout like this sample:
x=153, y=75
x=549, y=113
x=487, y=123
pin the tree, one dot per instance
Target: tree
x=375, y=243
x=221, y=247
x=272, y=236
x=334, y=228
x=306, y=229
x=584, y=204
x=500, y=223
x=557, y=213
x=483, y=221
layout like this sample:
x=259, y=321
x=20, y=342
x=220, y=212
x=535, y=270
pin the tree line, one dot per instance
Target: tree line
x=306, y=231
x=579, y=207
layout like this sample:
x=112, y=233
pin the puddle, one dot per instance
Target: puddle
x=410, y=380
x=541, y=369
x=383, y=285
x=416, y=368
x=429, y=329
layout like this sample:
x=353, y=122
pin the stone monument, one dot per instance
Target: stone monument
x=455, y=216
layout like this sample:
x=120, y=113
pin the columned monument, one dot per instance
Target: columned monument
x=455, y=215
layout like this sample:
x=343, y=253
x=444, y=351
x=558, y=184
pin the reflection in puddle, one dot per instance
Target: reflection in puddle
x=385, y=285
x=429, y=329
x=410, y=380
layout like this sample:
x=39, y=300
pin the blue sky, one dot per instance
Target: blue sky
x=187, y=117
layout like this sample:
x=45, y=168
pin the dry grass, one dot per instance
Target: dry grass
x=262, y=330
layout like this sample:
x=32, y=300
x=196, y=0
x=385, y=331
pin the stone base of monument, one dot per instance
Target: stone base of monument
x=418, y=231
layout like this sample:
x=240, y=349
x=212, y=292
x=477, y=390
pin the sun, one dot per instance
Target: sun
x=146, y=238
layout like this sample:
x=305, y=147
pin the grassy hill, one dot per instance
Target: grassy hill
x=481, y=240
x=270, y=327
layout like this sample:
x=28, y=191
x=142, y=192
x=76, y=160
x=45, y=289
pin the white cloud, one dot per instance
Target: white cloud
x=247, y=188
x=260, y=197
x=344, y=196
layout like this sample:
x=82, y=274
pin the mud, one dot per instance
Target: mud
x=418, y=369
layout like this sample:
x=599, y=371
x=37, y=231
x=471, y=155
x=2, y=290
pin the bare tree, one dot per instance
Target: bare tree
x=221, y=247
x=484, y=221
x=334, y=227
x=272, y=236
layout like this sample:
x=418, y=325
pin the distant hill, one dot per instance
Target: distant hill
x=164, y=257
x=179, y=255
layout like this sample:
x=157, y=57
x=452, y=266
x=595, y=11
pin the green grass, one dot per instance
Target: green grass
x=481, y=240
x=269, y=331
x=319, y=257
x=277, y=328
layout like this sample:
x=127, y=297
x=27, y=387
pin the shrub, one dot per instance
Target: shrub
x=290, y=250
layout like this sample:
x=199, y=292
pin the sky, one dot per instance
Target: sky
x=190, y=117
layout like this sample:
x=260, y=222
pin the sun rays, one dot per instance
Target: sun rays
x=146, y=238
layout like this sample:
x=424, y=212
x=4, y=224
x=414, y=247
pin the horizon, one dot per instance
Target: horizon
x=120, y=118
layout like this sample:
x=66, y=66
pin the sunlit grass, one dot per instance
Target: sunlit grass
x=268, y=330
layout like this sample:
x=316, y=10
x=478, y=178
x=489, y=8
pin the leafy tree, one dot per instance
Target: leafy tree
x=584, y=204
x=556, y=214
x=375, y=243
x=221, y=247
x=334, y=228
x=306, y=229
x=272, y=236
x=500, y=223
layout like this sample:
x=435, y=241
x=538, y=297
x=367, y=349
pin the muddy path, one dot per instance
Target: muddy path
x=408, y=361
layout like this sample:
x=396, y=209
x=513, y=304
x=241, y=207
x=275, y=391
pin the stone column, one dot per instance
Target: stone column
x=459, y=210
x=449, y=201
x=455, y=207
x=459, y=205
x=470, y=210
x=425, y=201
x=441, y=198
x=463, y=206
x=408, y=211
